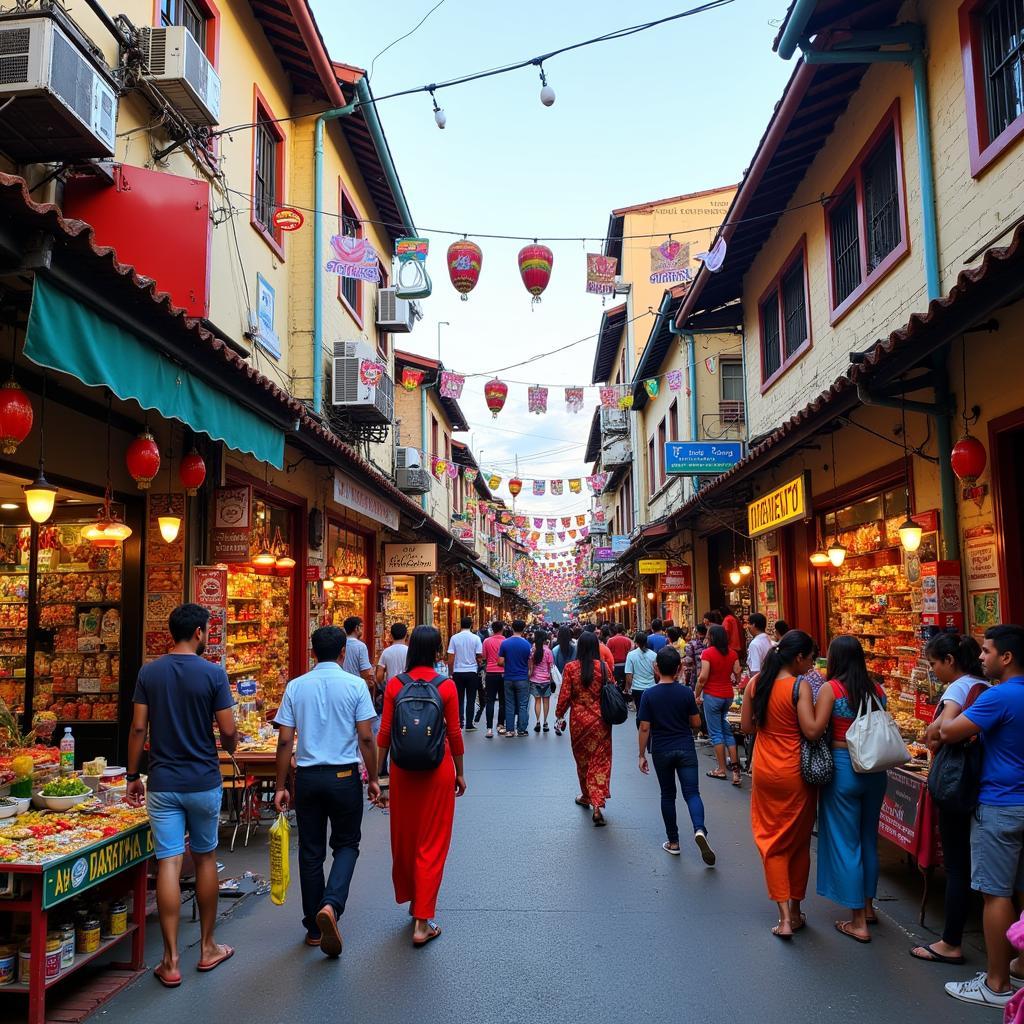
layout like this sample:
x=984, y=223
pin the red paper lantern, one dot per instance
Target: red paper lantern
x=968, y=459
x=15, y=417
x=192, y=472
x=515, y=485
x=143, y=459
x=535, y=263
x=495, y=393
x=465, y=260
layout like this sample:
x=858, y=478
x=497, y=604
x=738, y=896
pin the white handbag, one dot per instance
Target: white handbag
x=556, y=676
x=874, y=741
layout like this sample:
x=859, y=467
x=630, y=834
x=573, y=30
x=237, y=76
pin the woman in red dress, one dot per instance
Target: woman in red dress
x=591, y=735
x=422, y=802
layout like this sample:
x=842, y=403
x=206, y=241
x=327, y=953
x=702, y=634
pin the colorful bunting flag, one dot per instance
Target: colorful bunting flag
x=652, y=387
x=411, y=379
x=470, y=474
x=556, y=487
x=566, y=520
x=580, y=520
x=439, y=466
x=561, y=535
x=549, y=538
x=538, y=522
x=539, y=486
x=576, y=485
x=675, y=380
x=453, y=471
x=626, y=402
x=537, y=399
x=596, y=482
x=551, y=524
x=451, y=385
x=573, y=399
x=609, y=397
x=572, y=534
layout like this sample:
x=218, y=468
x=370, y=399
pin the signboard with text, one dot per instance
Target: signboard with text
x=710, y=458
x=785, y=504
x=95, y=864
x=620, y=543
x=409, y=559
x=604, y=555
x=232, y=524
x=210, y=589
x=352, y=495
x=678, y=579
x=651, y=566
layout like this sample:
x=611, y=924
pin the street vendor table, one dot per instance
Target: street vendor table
x=118, y=864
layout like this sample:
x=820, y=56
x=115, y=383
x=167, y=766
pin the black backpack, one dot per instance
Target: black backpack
x=955, y=776
x=418, y=728
x=614, y=709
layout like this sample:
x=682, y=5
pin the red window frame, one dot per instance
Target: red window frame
x=347, y=207
x=261, y=109
x=854, y=176
x=662, y=441
x=434, y=435
x=211, y=14
x=775, y=288
x=983, y=150
x=673, y=420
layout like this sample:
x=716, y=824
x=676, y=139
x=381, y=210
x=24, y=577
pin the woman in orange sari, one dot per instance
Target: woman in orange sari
x=591, y=735
x=782, y=805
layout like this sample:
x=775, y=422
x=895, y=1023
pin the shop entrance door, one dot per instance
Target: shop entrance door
x=1006, y=444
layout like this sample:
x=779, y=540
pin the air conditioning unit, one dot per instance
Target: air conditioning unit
x=616, y=453
x=394, y=314
x=364, y=403
x=59, y=103
x=410, y=476
x=614, y=422
x=178, y=67
x=730, y=412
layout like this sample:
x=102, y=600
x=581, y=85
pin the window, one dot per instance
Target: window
x=784, y=320
x=673, y=420
x=382, y=336
x=267, y=172
x=652, y=469
x=992, y=47
x=187, y=13
x=433, y=437
x=866, y=224
x=731, y=373
x=662, y=438
x=349, y=289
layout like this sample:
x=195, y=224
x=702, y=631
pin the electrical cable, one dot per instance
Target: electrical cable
x=369, y=74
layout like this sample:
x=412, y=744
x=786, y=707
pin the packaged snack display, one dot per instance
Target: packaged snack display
x=257, y=631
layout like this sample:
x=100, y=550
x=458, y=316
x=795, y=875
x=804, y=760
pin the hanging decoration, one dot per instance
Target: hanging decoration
x=539, y=487
x=596, y=482
x=371, y=372
x=601, y=271
x=626, y=401
x=711, y=364
x=192, y=472
x=576, y=485
x=515, y=485
x=143, y=459
x=652, y=387
x=968, y=459
x=714, y=257
x=674, y=379
x=470, y=474
x=549, y=538
x=566, y=520
x=551, y=524
x=538, y=399
x=413, y=280
x=581, y=520
x=16, y=417
x=573, y=399
x=451, y=385
x=495, y=393
x=670, y=262
x=355, y=258
x=535, y=263
x=556, y=487
x=452, y=470
x=609, y=397
x=411, y=379
x=440, y=467
x=465, y=261
x=538, y=522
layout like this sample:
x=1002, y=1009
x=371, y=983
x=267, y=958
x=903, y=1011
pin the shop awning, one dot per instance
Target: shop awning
x=67, y=336
x=489, y=585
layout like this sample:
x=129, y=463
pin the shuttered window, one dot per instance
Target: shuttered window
x=785, y=320
x=845, y=247
x=794, y=307
x=265, y=176
x=1002, y=32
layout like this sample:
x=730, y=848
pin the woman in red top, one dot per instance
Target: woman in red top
x=422, y=803
x=719, y=672
x=591, y=735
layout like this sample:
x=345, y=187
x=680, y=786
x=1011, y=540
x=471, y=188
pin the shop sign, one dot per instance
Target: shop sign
x=232, y=524
x=701, y=457
x=982, y=564
x=409, y=559
x=355, y=496
x=940, y=587
x=247, y=687
x=312, y=573
x=620, y=543
x=785, y=504
x=210, y=589
x=604, y=554
x=651, y=566
x=898, y=821
x=678, y=579
x=95, y=864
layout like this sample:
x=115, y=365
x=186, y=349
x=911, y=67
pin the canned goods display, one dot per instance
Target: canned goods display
x=118, y=918
x=8, y=964
x=88, y=936
x=67, y=947
x=54, y=944
x=24, y=964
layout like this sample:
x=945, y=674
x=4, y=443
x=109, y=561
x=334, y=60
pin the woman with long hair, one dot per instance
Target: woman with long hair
x=849, y=806
x=541, y=685
x=563, y=652
x=955, y=662
x=422, y=802
x=591, y=735
x=716, y=690
x=639, y=669
x=778, y=707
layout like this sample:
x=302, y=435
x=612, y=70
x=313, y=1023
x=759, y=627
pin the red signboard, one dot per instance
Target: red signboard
x=232, y=524
x=210, y=589
x=311, y=573
x=678, y=579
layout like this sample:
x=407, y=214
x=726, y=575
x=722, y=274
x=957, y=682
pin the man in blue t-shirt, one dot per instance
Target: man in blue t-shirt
x=997, y=831
x=657, y=638
x=177, y=697
x=514, y=659
x=666, y=718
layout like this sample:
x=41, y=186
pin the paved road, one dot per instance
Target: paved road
x=549, y=919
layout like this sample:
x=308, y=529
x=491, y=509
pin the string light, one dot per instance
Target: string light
x=547, y=94
x=440, y=118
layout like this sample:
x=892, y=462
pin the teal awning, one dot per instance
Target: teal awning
x=67, y=336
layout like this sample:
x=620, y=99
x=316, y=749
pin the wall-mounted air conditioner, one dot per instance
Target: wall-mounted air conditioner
x=730, y=411
x=614, y=421
x=410, y=476
x=178, y=67
x=58, y=102
x=365, y=403
x=616, y=453
x=394, y=315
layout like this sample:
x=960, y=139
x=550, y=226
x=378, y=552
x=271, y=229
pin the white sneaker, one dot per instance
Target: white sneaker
x=706, y=853
x=977, y=991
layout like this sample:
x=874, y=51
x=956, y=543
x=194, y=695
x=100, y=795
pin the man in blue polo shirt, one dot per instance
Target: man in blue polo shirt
x=514, y=659
x=997, y=833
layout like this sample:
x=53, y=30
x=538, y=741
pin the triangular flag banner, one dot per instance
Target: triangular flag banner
x=576, y=485
x=451, y=384
x=626, y=402
x=573, y=399
x=599, y=515
x=597, y=482
x=556, y=487
x=711, y=363
x=561, y=535
x=537, y=399
x=521, y=522
x=534, y=535
x=411, y=379
x=585, y=532
x=675, y=380
x=652, y=387
x=494, y=481
x=538, y=522
x=572, y=533
x=609, y=397
x=549, y=538
x=551, y=524
x=566, y=520
x=539, y=487
x=580, y=520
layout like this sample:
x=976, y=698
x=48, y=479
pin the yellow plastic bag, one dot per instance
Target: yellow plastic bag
x=280, y=835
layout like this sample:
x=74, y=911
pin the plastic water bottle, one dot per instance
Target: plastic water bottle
x=67, y=752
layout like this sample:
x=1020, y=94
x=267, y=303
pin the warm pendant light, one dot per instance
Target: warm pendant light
x=735, y=577
x=108, y=531
x=745, y=568
x=40, y=495
x=328, y=584
x=285, y=562
x=265, y=558
x=170, y=526
x=836, y=553
x=819, y=557
x=910, y=535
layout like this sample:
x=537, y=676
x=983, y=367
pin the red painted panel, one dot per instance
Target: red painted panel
x=158, y=222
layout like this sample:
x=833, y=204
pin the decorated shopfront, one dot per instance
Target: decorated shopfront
x=348, y=576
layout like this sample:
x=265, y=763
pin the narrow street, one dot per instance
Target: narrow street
x=547, y=918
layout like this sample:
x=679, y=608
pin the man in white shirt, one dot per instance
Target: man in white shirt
x=331, y=711
x=392, y=659
x=465, y=656
x=357, y=657
x=760, y=643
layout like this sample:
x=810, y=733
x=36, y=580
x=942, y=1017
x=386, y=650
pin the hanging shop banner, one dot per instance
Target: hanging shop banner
x=210, y=590
x=409, y=559
x=651, y=566
x=601, y=271
x=691, y=458
x=620, y=543
x=678, y=579
x=604, y=555
x=287, y=218
x=74, y=875
x=786, y=504
x=354, y=496
x=355, y=258
x=232, y=524
x=670, y=262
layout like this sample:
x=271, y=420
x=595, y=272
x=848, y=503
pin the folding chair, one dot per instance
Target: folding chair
x=242, y=794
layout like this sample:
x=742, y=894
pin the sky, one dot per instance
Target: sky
x=676, y=109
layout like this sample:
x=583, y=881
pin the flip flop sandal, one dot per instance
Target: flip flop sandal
x=668, y=849
x=843, y=927
x=167, y=980
x=781, y=935
x=435, y=931
x=936, y=958
x=716, y=775
x=802, y=923
x=599, y=822
x=210, y=965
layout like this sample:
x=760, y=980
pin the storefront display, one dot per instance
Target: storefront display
x=257, y=639
x=347, y=583
x=399, y=601
x=13, y=617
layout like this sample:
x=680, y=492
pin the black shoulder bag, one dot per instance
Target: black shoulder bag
x=816, y=764
x=614, y=709
x=955, y=776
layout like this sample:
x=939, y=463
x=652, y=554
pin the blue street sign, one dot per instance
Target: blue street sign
x=620, y=543
x=701, y=457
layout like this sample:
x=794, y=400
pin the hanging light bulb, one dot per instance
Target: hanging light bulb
x=265, y=558
x=285, y=561
x=328, y=584
x=745, y=568
x=819, y=557
x=735, y=577
x=169, y=527
x=40, y=496
x=836, y=553
x=108, y=530
x=547, y=94
x=910, y=535
x=440, y=118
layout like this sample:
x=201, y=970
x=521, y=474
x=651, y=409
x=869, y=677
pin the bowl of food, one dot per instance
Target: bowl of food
x=63, y=794
x=8, y=807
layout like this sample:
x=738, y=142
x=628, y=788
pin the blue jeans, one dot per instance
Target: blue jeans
x=684, y=764
x=327, y=793
x=171, y=815
x=517, y=703
x=715, y=710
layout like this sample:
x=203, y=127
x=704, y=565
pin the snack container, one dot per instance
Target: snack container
x=24, y=963
x=67, y=948
x=88, y=935
x=53, y=952
x=118, y=918
x=8, y=964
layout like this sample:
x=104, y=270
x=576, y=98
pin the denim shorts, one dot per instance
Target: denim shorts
x=997, y=850
x=541, y=689
x=171, y=815
x=715, y=711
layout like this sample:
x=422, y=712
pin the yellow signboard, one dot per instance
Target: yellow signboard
x=652, y=566
x=785, y=504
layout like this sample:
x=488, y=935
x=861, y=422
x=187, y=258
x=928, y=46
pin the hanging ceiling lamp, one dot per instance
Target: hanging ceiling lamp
x=40, y=495
x=328, y=584
x=170, y=524
x=745, y=568
x=735, y=577
x=819, y=556
x=264, y=558
x=108, y=530
x=836, y=550
x=909, y=531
